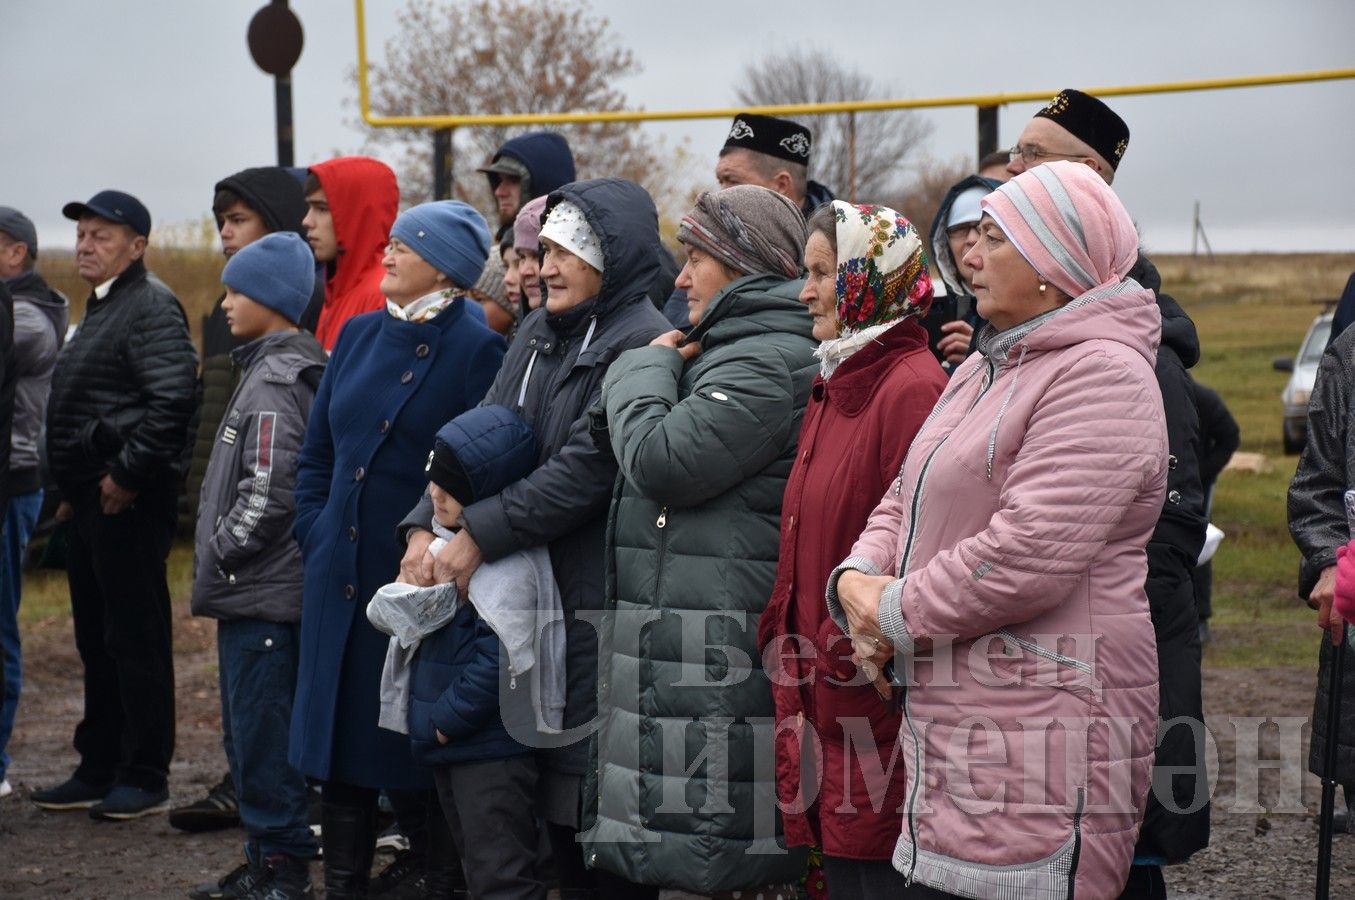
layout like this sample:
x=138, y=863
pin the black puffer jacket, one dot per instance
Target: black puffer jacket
x=275, y=194
x=1178, y=770
x=551, y=377
x=124, y=388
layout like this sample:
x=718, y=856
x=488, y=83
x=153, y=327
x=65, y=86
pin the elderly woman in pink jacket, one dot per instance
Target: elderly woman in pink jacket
x=1000, y=581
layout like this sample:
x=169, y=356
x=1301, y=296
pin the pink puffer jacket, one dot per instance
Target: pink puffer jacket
x=1017, y=531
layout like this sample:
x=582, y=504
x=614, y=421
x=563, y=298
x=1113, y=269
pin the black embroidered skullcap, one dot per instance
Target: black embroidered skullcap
x=1090, y=121
x=781, y=138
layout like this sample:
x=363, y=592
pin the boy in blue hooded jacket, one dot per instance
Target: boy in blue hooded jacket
x=476, y=681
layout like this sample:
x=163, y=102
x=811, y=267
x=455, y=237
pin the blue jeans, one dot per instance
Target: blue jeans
x=20, y=521
x=258, y=677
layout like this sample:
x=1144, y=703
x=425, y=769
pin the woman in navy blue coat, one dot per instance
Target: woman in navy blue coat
x=394, y=377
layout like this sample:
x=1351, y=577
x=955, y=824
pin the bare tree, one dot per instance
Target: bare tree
x=509, y=56
x=887, y=143
x=922, y=197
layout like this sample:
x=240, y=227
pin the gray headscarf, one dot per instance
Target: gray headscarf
x=748, y=228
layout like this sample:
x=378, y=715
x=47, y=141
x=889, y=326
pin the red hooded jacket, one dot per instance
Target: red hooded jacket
x=364, y=200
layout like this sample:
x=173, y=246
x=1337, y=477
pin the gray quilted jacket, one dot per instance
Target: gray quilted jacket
x=246, y=564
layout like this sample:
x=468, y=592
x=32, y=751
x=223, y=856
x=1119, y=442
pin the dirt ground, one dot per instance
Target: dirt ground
x=46, y=854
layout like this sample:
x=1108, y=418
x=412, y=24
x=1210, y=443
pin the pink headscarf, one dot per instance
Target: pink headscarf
x=1068, y=224
x=527, y=226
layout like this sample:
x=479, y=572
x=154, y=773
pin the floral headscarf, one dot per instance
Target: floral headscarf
x=882, y=270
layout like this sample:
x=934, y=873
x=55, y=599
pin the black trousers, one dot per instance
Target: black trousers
x=489, y=809
x=863, y=879
x=120, y=605
x=1145, y=883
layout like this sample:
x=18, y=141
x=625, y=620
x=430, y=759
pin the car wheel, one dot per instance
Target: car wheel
x=1292, y=447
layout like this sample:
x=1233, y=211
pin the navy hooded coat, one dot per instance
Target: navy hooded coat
x=546, y=156
x=551, y=377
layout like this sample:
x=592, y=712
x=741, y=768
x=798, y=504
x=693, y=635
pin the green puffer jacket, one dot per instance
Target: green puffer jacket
x=681, y=790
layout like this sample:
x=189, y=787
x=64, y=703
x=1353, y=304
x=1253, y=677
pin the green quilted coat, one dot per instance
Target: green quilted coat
x=681, y=790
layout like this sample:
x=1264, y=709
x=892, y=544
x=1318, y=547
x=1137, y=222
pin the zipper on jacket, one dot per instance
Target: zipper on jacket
x=660, y=523
x=1077, y=841
x=526, y=379
x=989, y=375
x=989, y=378
x=941, y=404
x=1071, y=662
x=1002, y=411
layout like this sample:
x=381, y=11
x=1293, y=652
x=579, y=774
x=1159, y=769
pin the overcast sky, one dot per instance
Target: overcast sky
x=160, y=97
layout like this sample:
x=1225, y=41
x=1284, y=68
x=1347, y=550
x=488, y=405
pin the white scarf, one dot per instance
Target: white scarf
x=834, y=352
x=423, y=309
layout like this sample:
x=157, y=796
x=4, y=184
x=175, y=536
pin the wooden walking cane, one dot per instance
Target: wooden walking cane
x=1327, y=813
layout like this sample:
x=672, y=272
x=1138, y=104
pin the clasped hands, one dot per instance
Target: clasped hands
x=859, y=596
x=454, y=563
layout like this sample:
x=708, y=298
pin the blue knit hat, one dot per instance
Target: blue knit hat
x=277, y=270
x=449, y=235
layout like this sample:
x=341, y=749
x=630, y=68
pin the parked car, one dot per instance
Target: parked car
x=1303, y=372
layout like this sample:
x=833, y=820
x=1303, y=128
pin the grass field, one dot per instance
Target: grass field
x=1248, y=310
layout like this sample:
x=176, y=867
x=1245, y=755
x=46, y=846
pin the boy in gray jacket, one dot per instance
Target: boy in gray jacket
x=247, y=567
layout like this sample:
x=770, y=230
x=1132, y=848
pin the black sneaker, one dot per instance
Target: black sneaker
x=126, y=802
x=219, y=809
x=71, y=794
x=315, y=814
x=236, y=883
x=401, y=878
x=288, y=878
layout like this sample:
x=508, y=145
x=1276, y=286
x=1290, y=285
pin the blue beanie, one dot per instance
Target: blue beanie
x=277, y=270
x=449, y=235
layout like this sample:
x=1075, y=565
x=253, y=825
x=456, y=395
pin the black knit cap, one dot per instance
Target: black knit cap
x=781, y=138
x=1090, y=121
x=481, y=452
x=446, y=471
x=273, y=193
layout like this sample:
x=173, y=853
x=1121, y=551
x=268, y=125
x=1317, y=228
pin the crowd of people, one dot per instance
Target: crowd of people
x=761, y=574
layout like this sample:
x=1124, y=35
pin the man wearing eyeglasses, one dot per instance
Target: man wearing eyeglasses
x=1079, y=127
x=1073, y=126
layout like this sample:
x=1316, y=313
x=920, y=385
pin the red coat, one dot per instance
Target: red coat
x=856, y=431
x=363, y=199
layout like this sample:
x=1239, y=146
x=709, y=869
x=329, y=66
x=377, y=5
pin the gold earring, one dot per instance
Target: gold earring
x=1043, y=287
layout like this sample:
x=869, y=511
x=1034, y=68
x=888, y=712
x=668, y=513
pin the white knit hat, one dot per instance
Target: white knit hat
x=567, y=226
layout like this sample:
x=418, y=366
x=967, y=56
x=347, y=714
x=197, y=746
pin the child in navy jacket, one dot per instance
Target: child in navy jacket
x=477, y=681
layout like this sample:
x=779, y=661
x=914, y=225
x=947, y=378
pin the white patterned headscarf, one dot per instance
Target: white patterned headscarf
x=882, y=278
x=567, y=226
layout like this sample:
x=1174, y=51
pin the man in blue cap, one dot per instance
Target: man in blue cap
x=118, y=418
x=39, y=318
x=525, y=167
